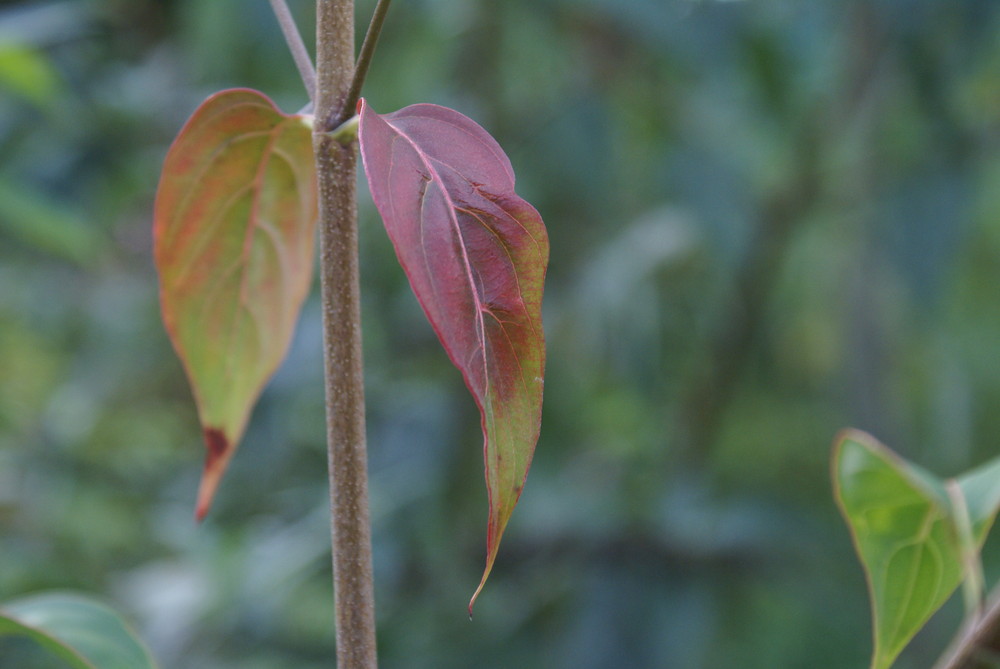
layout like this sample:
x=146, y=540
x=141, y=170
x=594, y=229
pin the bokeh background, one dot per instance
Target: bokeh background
x=770, y=219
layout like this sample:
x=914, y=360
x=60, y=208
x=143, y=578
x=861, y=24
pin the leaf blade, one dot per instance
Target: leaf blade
x=475, y=255
x=233, y=243
x=902, y=527
x=83, y=632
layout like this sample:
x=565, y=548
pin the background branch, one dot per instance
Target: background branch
x=780, y=216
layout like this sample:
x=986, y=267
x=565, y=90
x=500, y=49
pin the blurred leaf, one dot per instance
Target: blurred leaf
x=908, y=534
x=233, y=242
x=37, y=222
x=27, y=73
x=475, y=254
x=84, y=633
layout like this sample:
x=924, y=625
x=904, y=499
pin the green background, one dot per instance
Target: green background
x=769, y=219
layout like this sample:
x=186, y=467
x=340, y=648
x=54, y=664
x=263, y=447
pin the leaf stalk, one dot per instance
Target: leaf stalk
x=972, y=564
x=295, y=44
x=347, y=132
x=347, y=109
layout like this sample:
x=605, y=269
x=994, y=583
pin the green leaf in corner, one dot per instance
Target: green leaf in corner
x=84, y=633
x=905, y=533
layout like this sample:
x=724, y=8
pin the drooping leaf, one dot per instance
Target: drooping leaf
x=84, y=633
x=908, y=534
x=233, y=237
x=475, y=254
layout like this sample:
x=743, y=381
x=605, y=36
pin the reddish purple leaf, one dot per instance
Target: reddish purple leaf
x=233, y=242
x=475, y=254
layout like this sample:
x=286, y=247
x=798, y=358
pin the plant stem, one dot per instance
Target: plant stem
x=364, y=62
x=336, y=173
x=296, y=46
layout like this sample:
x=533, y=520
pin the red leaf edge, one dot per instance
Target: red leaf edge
x=496, y=524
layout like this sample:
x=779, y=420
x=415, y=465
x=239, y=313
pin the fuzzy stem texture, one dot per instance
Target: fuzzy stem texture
x=336, y=173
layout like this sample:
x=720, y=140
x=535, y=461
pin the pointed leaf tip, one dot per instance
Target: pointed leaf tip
x=475, y=254
x=233, y=243
x=218, y=451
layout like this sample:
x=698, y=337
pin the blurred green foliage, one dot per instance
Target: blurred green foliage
x=769, y=219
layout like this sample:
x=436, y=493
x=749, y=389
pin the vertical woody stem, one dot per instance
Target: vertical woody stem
x=336, y=170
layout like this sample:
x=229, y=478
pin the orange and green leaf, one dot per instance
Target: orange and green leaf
x=233, y=243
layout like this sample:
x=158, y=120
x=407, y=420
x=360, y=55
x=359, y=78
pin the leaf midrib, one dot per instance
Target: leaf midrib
x=467, y=265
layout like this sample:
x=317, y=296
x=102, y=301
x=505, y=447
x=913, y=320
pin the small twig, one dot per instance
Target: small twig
x=979, y=637
x=364, y=61
x=296, y=46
